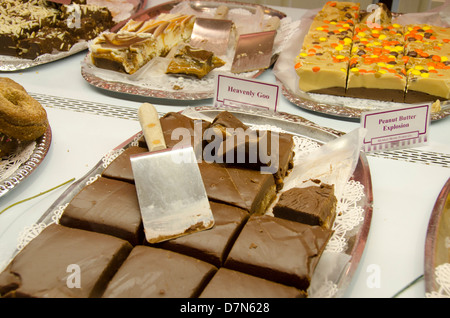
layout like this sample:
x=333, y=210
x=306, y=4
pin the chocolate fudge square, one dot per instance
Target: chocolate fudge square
x=120, y=168
x=227, y=283
x=284, y=251
x=151, y=272
x=239, y=145
x=314, y=205
x=44, y=267
x=262, y=150
x=225, y=122
x=107, y=206
x=247, y=189
x=214, y=244
x=179, y=129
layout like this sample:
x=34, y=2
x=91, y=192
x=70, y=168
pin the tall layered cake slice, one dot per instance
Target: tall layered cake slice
x=427, y=52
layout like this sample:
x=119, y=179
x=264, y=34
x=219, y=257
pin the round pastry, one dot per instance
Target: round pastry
x=22, y=118
x=7, y=82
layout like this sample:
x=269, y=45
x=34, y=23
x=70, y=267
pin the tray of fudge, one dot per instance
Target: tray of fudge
x=36, y=32
x=170, y=51
x=437, y=247
x=275, y=234
x=344, y=61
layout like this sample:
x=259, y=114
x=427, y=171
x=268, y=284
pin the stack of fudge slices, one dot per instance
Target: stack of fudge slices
x=138, y=42
x=29, y=29
x=248, y=252
x=388, y=61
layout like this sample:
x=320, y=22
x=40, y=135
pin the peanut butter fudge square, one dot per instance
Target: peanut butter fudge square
x=427, y=55
x=151, y=272
x=323, y=74
x=280, y=250
x=427, y=81
x=107, y=206
x=47, y=266
x=214, y=244
x=227, y=283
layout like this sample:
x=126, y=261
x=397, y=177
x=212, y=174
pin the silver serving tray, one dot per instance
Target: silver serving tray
x=293, y=124
x=24, y=170
x=437, y=243
x=136, y=90
x=341, y=110
x=10, y=63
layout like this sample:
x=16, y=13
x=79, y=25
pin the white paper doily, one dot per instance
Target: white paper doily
x=442, y=273
x=9, y=164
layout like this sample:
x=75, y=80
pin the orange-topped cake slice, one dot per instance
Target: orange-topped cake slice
x=377, y=70
x=323, y=73
x=376, y=77
x=427, y=57
x=427, y=80
x=339, y=11
x=322, y=64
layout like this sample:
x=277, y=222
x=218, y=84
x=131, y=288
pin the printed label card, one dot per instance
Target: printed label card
x=396, y=128
x=245, y=92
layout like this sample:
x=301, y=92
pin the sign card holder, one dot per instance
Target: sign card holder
x=245, y=92
x=396, y=128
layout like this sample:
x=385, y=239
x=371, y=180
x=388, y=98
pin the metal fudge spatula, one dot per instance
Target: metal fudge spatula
x=169, y=186
x=254, y=50
x=212, y=34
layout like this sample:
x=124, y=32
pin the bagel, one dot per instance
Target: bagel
x=22, y=118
